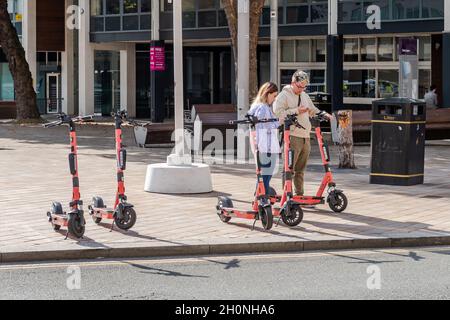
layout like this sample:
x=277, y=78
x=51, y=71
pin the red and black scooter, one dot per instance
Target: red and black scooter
x=336, y=198
x=73, y=220
x=261, y=207
x=123, y=213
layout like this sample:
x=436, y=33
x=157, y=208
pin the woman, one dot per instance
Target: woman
x=266, y=133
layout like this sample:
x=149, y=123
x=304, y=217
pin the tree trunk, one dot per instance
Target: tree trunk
x=18, y=65
x=256, y=6
x=345, y=134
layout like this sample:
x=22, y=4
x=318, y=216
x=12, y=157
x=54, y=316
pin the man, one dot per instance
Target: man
x=431, y=97
x=294, y=100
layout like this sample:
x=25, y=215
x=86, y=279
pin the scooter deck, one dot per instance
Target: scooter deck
x=236, y=213
x=103, y=213
x=60, y=219
x=308, y=200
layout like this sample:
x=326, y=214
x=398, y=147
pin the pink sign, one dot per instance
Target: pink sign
x=157, y=59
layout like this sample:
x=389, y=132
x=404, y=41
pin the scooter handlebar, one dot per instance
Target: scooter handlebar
x=321, y=116
x=83, y=118
x=252, y=120
x=53, y=124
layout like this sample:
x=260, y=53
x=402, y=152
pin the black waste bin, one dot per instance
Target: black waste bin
x=398, y=142
x=322, y=101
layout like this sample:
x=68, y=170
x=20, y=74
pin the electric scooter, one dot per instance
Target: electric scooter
x=336, y=198
x=123, y=213
x=73, y=220
x=261, y=206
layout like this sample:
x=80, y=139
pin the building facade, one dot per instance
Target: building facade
x=97, y=59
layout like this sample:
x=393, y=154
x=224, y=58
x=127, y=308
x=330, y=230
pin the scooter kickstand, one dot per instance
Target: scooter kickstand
x=254, y=222
x=67, y=235
x=278, y=222
x=112, y=226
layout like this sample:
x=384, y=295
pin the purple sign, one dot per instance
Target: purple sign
x=408, y=46
x=157, y=58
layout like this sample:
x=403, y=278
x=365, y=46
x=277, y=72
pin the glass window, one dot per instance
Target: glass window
x=297, y=14
x=385, y=49
x=112, y=7
x=96, y=7
x=188, y=5
x=112, y=23
x=424, y=82
x=317, y=81
x=302, y=50
x=106, y=81
x=319, y=50
x=131, y=23
x=432, y=8
x=206, y=4
x=384, y=6
x=189, y=19
x=350, y=11
x=388, y=83
x=207, y=19
x=166, y=6
x=368, y=49
x=424, y=48
x=146, y=6
x=319, y=13
x=286, y=77
x=223, y=22
x=189, y=14
x=296, y=1
x=350, y=50
x=145, y=22
x=406, y=9
x=287, y=50
x=130, y=6
x=97, y=24
x=6, y=83
x=359, y=83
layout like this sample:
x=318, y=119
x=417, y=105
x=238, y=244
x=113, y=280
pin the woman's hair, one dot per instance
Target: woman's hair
x=263, y=93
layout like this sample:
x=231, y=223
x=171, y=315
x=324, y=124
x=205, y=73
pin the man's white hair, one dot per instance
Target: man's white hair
x=300, y=76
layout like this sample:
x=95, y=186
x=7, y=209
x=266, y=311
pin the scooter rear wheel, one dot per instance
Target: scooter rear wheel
x=224, y=202
x=266, y=216
x=128, y=221
x=338, y=203
x=76, y=226
x=295, y=217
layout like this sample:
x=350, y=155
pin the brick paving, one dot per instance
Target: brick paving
x=34, y=172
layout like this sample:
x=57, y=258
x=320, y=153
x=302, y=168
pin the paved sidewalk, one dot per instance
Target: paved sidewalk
x=34, y=172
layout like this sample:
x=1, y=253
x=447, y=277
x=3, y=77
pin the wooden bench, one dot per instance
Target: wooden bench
x=153, y=134
x=8, y=110
x=438, y=124
x=213, y=116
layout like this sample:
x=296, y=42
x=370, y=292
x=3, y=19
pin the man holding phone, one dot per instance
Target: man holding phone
x=294, y=100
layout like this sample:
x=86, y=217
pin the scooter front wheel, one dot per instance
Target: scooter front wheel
x=224, y=202
x=266, y=216
x=128, y=219
x=295, y=217
x=337, y=201
x=76, y=226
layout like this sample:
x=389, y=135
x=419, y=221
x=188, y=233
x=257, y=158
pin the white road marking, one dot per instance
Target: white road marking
x=208, y=259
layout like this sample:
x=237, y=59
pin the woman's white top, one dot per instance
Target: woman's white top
x=266, y=133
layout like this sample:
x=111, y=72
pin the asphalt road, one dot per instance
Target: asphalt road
x=418, y=273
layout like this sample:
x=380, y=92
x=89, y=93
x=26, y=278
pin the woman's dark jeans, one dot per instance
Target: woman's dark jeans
x=268, y=162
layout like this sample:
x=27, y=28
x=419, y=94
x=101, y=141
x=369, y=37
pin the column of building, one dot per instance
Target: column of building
x=445, y=56
x=29, y=36
x=335, y=64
